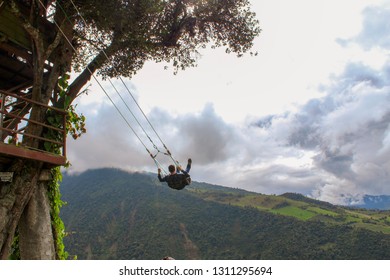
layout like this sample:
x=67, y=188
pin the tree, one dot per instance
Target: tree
x=109, y=39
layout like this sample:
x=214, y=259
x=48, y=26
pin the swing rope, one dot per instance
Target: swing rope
x=168, y=153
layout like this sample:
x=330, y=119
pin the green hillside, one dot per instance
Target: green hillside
x=111, y=214
x=302, y=208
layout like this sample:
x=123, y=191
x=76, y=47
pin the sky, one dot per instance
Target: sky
x=309, y=114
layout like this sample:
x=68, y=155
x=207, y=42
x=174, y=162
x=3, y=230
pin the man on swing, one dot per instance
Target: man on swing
x=177, y=179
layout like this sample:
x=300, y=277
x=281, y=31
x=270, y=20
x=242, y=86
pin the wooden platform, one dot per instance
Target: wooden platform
x=9, y=150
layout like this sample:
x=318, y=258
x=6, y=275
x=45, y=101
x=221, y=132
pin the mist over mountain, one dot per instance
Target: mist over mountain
x=113, y=214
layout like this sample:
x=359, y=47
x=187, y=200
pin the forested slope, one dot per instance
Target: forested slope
x=112, y=214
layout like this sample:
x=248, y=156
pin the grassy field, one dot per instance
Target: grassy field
x=305, y=209
x=294, y=211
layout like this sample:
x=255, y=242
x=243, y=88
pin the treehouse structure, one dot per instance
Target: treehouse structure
x=16, y=102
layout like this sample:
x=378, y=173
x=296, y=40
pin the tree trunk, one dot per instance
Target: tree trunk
x=13, y=199
x=35, y=231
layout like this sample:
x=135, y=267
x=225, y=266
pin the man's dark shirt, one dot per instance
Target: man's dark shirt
x=176, y=181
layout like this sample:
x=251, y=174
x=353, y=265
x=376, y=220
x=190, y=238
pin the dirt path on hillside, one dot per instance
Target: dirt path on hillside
x=190, y=248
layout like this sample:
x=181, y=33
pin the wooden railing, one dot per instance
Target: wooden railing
x=14, y=112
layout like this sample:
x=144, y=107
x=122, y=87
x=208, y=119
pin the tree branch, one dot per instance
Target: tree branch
x=87, y=74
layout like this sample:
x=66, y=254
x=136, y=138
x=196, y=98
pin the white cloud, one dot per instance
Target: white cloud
x=376, y=28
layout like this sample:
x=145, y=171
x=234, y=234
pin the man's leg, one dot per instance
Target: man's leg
x=188, y=165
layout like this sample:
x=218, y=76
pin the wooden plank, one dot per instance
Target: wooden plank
x=18, y=151
x=12, y=29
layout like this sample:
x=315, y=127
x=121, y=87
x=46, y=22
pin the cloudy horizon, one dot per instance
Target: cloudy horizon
x=309, y=114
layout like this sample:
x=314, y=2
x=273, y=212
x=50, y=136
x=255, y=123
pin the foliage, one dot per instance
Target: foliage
x=135, y=31
x=113, y=214
x=15, y=252
x=56, y=203
x=75, y=125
